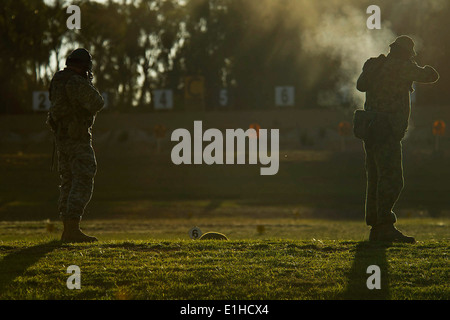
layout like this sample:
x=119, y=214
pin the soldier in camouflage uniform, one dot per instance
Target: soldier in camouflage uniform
x=387, y=81
x=75, y=103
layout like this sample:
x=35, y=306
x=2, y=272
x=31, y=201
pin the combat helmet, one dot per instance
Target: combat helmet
x=405, y=44
x=81, y=58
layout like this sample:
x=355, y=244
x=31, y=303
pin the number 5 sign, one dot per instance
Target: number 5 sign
x=284, y=96
x=41, y=102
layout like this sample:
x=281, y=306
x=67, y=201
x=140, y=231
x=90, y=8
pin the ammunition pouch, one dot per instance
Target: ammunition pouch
x=371, y=126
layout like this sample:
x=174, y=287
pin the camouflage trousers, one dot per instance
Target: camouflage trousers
x=77, y=167
x=385, y=181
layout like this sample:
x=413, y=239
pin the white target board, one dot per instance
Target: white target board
x=163, y=99
x=105, y=99
x=41, y=101
x=223, y=97
x=284, y=96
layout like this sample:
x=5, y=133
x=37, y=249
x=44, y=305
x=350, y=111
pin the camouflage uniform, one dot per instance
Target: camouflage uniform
x=387, y=81
x=75, y=103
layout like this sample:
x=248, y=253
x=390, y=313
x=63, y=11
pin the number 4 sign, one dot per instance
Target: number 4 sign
x=41, y=102
x=284, y=96
x=162, y=99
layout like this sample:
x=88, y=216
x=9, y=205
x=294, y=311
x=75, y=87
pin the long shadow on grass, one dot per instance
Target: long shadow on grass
x=367, y=254
x=16, y=263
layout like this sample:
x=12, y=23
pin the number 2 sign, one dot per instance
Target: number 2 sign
x=41, y=102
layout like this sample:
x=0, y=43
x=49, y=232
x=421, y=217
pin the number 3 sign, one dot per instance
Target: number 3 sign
x=41, y=102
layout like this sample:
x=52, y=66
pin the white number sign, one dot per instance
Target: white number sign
x=223, y=97
x=284, y=96
x=195, y=233
x=105, y=99
x=163, y=99
x=41, y=102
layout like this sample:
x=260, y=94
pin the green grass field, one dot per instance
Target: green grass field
x=291, y=259
x=311, y=242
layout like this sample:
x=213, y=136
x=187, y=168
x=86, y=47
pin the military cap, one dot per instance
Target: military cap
x=80, y=56
x=405, y=43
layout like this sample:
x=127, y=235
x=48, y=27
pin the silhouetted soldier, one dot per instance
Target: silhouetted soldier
x=387, y=81
x=75, y=103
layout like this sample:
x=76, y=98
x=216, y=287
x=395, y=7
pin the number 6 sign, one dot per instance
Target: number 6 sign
x=284, y=96
x=195, y=233
x=41, y=102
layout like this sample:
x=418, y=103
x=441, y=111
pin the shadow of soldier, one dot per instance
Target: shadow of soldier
x=16, y=263
x=368, y=254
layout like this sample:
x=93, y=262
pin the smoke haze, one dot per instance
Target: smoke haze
x=337, y=31
x=346, y=38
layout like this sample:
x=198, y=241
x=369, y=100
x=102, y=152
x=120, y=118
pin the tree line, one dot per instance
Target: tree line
x=246, y=46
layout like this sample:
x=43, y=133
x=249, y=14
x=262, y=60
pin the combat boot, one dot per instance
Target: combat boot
x=72, y=232
x=389, y=233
